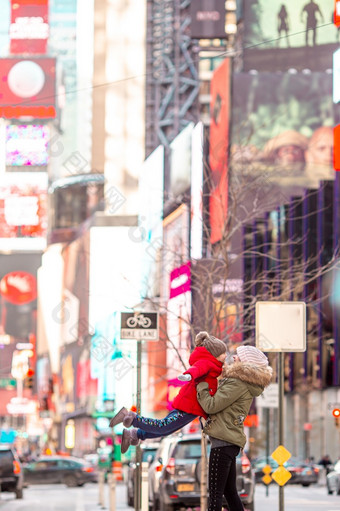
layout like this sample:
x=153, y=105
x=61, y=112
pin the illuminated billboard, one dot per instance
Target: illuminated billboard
x=282, y=35
x=283, y=127
x=218, y=149
x=28, y=88
x=23, y=207
x=27, y=145
x=29, y=29
x=207, y=19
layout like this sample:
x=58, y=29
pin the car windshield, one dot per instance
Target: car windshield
x=186, y=450
x=147, y=453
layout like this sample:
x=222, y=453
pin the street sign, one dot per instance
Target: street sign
x=139, y=326
x=281, y=326
x=269, y=397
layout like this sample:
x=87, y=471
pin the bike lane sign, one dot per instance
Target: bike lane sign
x=142, y=326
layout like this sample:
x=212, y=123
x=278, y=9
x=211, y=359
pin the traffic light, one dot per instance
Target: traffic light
x=29, y=379
x=336, y=415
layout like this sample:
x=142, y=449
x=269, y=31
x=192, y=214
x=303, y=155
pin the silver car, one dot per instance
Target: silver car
x=175, y=475
x=333, y=479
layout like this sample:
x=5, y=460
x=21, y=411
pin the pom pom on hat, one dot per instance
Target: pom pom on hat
x=215, y=346
x=252, y=355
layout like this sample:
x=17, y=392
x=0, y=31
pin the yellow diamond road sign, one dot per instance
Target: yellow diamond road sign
x=281, y=455
x=266, y=479
x=281, y=475
x=267, y=469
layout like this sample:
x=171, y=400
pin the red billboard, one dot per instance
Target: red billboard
x=337, y=13
x=218, y=150
x=23, y=205
x=29, y=28
x=27, y=88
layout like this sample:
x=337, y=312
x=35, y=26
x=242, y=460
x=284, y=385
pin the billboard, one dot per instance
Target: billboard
x=283, y=127
x=175, y=245
x=218, y=149
x=23, y=210
x=28, y=88
x=207, y=19
x=18, y=293
x=150, y=231
x=29, y=29
x=283, y=35
x=197, y=171
x=27, y=145
x=180, y=162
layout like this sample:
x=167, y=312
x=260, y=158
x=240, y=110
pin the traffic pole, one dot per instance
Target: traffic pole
x=145, y=486
x=101, y=481
x=281, y=424
x=112, y=491
x=138, y=406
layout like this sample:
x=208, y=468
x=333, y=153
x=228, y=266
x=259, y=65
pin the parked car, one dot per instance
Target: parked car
x=149, y=449
x=301, y=472
x=59, y=469
x=333, y=479
x=11, y=472
x=175, y=475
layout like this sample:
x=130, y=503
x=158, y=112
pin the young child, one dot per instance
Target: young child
x=206, y=362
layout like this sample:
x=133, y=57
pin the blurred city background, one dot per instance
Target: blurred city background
x=168, y=156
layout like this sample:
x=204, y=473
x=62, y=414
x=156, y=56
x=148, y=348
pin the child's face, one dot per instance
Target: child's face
x=221, y=358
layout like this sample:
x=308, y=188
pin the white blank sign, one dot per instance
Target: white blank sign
x=281, y=326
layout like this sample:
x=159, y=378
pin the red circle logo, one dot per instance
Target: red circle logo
x=18, y=287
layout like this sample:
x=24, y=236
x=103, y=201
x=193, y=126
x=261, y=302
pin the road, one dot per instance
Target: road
x=60, y=498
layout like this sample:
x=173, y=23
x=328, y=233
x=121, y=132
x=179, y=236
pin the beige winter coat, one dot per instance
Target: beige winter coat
x=228, y=408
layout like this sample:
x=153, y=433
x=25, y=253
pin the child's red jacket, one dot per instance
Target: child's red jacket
x=206, y=367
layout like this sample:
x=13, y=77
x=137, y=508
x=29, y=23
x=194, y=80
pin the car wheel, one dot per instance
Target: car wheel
x=330, y=492
x=249, y=507
x=130, y=501
x=305, y=484
x=19, y=493
x=70, y=481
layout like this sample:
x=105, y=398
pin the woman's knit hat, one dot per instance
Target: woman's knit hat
x=215, y=346
x=251, y=355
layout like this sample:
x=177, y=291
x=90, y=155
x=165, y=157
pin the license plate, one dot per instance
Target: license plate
x=185, y=487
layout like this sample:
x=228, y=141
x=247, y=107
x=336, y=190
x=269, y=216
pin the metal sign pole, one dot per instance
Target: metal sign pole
x=281, y=432
x=138, y=449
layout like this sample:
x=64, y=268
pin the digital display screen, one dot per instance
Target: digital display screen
x=27, y=145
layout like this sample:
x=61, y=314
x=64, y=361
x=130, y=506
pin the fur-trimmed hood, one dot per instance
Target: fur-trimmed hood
x=257, y=376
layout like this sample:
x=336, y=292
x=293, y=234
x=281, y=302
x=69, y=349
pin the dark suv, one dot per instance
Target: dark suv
x=11, y=474
x=179, y=466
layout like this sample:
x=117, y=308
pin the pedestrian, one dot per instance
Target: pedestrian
x=206, y=363
x=326, y=462
x=245, y=378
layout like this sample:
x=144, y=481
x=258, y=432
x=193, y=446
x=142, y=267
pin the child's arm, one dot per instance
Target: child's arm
x=197, y=370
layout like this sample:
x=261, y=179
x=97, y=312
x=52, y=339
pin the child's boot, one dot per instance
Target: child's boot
x=129, y=438
x=128, y=419
x=119, y=417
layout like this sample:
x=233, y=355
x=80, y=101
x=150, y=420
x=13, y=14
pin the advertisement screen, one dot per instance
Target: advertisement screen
x=207, y=19
x=28, y=88
x=282, y=35
x=283, y=127
x=180, y=162
x=27, y=145
x=23, y=205
x=29, y=26
x=18, y=294
x=218, y=150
